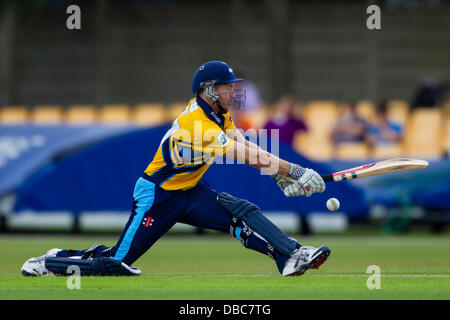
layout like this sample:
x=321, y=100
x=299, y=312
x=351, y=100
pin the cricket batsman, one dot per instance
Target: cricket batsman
x=172, y=190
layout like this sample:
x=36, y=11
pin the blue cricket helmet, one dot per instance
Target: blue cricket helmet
x=217, y=71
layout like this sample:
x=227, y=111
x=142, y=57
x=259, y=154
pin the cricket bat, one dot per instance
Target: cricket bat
x=377, y=168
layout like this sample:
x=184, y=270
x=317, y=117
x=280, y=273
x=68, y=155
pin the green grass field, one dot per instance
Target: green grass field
x=218, y=267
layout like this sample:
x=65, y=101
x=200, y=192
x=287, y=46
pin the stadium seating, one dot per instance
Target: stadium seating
x=446, y=108
x=80, y=114
x=114, y=114
x=367, y=110
x=423, y=133
x=426, y=135
x=386, y=151
x=351, y=151
x=13, y=115
x=446, y=135
x=320, y=117
x=149, y=114
x=313, y=147
x=398, y=111
x=175, y=109
x=46, y=114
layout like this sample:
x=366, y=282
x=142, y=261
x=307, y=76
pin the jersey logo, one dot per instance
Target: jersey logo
x=216, y=117
x=223, y=139
x=148, y=222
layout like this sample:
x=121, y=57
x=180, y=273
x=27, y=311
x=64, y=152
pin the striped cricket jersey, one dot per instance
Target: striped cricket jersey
x=189, y=147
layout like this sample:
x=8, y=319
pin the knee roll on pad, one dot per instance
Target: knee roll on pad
x=238, y=208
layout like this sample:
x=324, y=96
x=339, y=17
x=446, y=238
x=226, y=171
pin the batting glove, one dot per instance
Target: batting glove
x=288, y=185
x=308, y=180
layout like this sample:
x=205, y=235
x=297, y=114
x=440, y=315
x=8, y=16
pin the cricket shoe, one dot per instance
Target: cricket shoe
x=36, y=266
x=305, y=258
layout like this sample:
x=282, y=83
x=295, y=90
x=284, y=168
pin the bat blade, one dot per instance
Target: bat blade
x=377, y=168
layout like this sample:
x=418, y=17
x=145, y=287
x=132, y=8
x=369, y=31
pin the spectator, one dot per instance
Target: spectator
x=285, y=121
x=350, y=127
x=384, y=131
x=428, y=94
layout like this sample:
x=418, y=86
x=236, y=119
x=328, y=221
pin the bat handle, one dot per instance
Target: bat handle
x=327, y=177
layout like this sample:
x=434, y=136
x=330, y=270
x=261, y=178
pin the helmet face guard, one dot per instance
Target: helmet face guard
x=210, y=93
x=236, y=101
x=239, y=99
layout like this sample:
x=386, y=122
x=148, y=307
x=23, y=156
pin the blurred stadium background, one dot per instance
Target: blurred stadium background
x=84, y=109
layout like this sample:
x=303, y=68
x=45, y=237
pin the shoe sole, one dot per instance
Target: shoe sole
x=27, y=271
x=27, y=274
x=32, y=273
x=321, y=255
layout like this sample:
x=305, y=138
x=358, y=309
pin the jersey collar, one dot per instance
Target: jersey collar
x=219, y=119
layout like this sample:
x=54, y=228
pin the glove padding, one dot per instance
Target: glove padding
x=310, y=182
x=288, y=185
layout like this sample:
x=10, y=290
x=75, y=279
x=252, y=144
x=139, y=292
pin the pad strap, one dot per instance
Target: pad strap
x=252, y=216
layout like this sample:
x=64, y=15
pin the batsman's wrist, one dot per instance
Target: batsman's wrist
x=297, y=171
x=291, y=169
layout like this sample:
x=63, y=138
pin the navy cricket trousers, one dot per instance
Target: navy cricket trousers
x=156, y=210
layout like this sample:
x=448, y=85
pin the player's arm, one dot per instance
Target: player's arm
x=293, y=179
x=258, y=158
x=253, y=155
x=237, y=136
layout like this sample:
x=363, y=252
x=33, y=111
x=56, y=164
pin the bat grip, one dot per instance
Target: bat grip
x=327, y=177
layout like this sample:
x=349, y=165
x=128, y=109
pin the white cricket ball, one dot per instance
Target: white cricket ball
x=333, y=204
